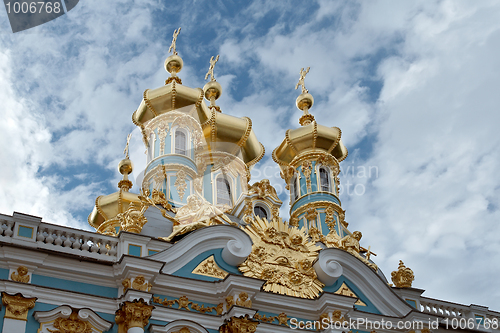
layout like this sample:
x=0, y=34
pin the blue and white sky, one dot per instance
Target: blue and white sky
x=413, y=85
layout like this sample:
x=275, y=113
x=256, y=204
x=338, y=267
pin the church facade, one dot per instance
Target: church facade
x=200, y=250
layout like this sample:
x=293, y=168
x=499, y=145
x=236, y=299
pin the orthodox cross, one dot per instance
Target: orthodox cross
x=211, y=69
x=126, y=147
x=174, y=40
x=301, y=80
x=369, y=253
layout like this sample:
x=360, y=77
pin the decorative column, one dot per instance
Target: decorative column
x=16, y=312
x=132, y=317
x=239, y=325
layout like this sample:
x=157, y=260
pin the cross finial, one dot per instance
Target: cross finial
x=301, y=80
x=126, y=147
x=211, y=69
x=174, y=40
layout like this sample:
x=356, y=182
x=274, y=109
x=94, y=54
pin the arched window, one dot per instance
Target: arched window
x=223, y=191
x=260, y=212
x=180, y=142
x=324, y=179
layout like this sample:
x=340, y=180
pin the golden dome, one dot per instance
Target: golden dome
x=311, y=137
x=222, y=132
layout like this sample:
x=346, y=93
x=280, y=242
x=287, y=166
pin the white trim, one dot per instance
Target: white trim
x=177, y=325
x=44, y=317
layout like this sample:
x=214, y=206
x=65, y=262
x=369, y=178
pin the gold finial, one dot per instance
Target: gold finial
x=125, y=167
x=174, y=63
x=403, y=277
x=174, y=40
x=211, y=69
x=305, y=100
x=212, y=89
x=301, y=80
x=125, y=152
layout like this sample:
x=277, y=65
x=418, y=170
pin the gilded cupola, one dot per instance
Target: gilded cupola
x=196, y=155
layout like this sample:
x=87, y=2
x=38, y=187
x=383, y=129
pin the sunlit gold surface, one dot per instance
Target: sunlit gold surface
x=303, y=139
x=73, y=324
x=222, y=132
x=282, y=256
x=239, y=325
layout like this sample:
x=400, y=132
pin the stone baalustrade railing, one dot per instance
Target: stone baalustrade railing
x=446, y=309
x=30, y=231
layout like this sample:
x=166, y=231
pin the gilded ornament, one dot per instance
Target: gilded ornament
x=180, y=183
x=350, y=243
x=337, y=316
x=162, y=134
x=183, y=330
x=275, y=210
x=126, y=284
x=174, y=41
x=282, y=255
x=330, y=218
x=306, y=170
x=184, y=303
x=133, y=219
x=72, y=324
x=346, y=291
x=243, y=300
x=264, y=189
x=133, y=314
x=315, y=235
x=311, y=216
x=196, y=214
x=211, y=68
x=140, y=283
x=21, y=275
x=239, y=325
x=294, y=221
x=403, y=277
x=303, y=74
x=229, y=302
x=287, y=173
x=248, y=212
x=17, y=306
x=209, y=267
x=282, y=319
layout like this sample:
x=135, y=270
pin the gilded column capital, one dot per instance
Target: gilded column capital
x=133, y=314
x=239, y=325
x=17, y=306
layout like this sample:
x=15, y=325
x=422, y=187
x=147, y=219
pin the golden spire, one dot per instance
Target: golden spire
x=212, y=89
x=305, y=100
x=125, y=167
x=174, y=63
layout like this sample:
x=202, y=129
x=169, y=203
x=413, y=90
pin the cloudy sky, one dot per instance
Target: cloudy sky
x=412, y=84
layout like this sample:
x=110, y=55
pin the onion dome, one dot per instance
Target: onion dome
x=310, y=136
x=222, y=132
x=107, y=207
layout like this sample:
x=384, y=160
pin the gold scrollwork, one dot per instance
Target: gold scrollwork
x=184, y=303
x=306, y=170
x=21, y=275
x=282, y=318
x=17, y=306
x=239, y=325
x=72, y=324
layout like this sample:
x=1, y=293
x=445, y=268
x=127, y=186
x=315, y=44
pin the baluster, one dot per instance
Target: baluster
x=58, y=241
x=85, y=244
x=94, y=248
x=49, y=239
x=40, y=237
x=9, y=232
x=112, y=251
x=68, y=242
x=102, y=247
x=76, y=243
